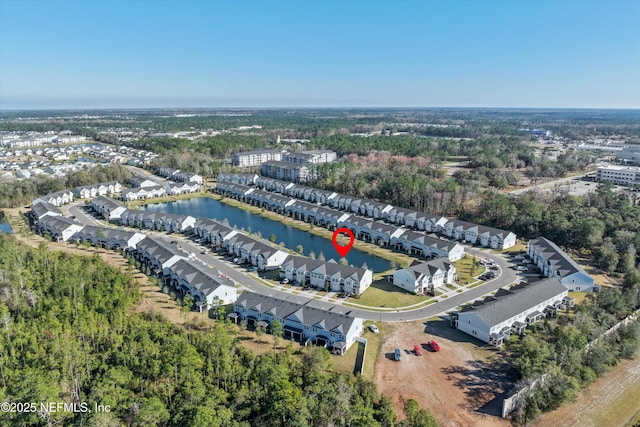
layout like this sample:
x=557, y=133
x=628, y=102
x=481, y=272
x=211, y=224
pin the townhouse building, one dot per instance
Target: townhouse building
x=425, y=277
x=302, y=320
x=554, y=262
x=108, y=208
x=102, y=189
x=109, y=237
x=205, y=286
x=493, y=319
x=341, y=278
x=60, y=229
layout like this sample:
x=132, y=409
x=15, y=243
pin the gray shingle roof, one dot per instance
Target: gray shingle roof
x=298, y=307
x=517, y=300
x=556, y=257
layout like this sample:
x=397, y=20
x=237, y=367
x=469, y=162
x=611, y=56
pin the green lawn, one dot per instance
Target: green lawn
x=464, y=270
x=579, y=296
x=382, y=293
x=346, y=363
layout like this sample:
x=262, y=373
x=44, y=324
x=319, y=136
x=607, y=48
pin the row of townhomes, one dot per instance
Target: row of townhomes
x=369, y=230
x=112, y=210
x=425, y=277
x=180, y=176
x=554, y=262
x=166, y=260
x=326, y=275
x=302, y=320
x=453, y=229
x=102, y=189
x=308, y=322
x=493, y=319
x=246, y=249
x=298, y=269
x=58, y=198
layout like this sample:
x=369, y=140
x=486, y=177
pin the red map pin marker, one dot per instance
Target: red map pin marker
x=342, y=250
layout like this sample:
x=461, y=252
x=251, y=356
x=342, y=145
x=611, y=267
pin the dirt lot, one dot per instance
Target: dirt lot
x=459, y=384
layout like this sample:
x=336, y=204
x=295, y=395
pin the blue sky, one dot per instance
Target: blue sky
x=137, y=53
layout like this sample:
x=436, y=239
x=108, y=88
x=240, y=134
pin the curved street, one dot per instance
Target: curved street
x=507, y=276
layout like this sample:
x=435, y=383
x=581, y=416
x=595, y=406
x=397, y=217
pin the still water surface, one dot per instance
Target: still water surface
x=204, y=207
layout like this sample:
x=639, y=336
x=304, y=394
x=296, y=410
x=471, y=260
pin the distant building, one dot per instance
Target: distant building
x=287, y=171
x=629, y=155
x=313, y=157
x=624, y=175
x=255, y=157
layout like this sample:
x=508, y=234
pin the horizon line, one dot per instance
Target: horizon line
x=314, y=108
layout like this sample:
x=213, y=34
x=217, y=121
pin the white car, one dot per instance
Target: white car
x=374, y=329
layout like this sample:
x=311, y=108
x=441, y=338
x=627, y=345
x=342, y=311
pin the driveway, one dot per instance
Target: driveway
x=508, y=275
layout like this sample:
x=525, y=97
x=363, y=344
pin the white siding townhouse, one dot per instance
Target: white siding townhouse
x=42, y=209
x=142, y=193
x=182, y=188
x=297, y=269
x=108, y=208
x=418, y=243
x=182, y=176
x=109, y=237
x=167, y=172
x=495, y=318
x=425, y=277
x=302, y=320
x=58, y=198
x=139, y=181
x=275, y=185
x=254, y=251
x=430, y=223
x=102, y=189
x=58, y=227
x=341, y=278
x=172, y=223
x=554, y=262
x=213, y=232
x=237, y=191
x=158, y=254
x=239, y=178
x=133, y=218
x=203, y=284
x=479, y=234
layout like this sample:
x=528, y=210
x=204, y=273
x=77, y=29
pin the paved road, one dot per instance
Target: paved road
x=508, y=275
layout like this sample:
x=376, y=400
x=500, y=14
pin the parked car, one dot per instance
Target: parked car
x=433, y=345
x=253, y=269
x=397, y=355
x=416, y=350
x=284, y=281
x=374, y=329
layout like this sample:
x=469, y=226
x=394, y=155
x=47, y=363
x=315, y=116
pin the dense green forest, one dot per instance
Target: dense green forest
x=69, y=333
x=23, y=192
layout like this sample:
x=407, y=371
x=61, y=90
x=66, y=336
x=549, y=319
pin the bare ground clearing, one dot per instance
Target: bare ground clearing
x=461, y=384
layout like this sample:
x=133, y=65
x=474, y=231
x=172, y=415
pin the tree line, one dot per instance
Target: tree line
x=23, y=192
x=557, y=349
x=70, y=332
